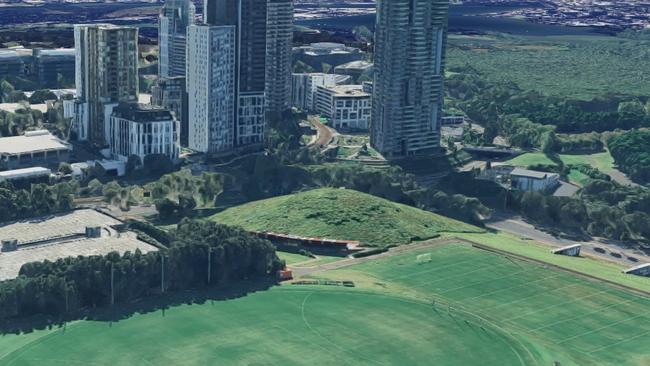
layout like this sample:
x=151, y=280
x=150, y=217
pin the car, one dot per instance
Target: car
x=599, y=250
x=616, y=255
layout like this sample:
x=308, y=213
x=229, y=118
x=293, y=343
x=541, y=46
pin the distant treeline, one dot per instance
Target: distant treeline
x=527, y=118
x=200, y=254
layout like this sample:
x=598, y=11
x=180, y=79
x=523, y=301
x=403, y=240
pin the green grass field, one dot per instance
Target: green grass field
x=489, y=311
x=602, y=161
x=341, y=214
x=554, y=315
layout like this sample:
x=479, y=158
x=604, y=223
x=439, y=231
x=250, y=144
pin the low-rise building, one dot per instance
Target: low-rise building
x=332, y=54
x=26, y=176
x=356, y=69
x=304, y=87
x=346, y=106
x=34, y=148
x=533, y=181
x=141, y=130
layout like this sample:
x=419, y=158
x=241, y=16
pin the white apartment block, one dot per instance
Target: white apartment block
x=143, y=130
x=211, y=81
x=304, y=87
x=346, y=106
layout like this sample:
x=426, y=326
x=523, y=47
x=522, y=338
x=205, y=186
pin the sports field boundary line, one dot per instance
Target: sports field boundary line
x=488, y=248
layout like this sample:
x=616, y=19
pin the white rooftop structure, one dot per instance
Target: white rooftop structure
x=61, y=236
x=33, y=141
x=520, y=172
x=24, y=173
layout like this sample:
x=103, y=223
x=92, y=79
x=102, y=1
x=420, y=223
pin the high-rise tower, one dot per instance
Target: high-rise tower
x=106, y=73
x=175, y=17
x=410, y=42
x=211, y=88
x=249, y=20
x=279, y=41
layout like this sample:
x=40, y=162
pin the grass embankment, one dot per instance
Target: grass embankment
x=341, y=214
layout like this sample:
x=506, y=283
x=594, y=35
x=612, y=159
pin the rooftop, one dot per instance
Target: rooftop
x=138, y=112
x=33, y=141
x=347, y=90
x=519, y=172
x=24, y=173
x=61, y=237
x=355, y=65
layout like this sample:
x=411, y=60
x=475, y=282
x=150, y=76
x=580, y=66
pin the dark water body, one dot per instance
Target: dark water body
x=465, y=19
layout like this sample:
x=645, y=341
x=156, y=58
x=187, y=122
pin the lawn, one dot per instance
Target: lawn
x=290, y=325
x=602, y=161
x=341, y=214
x=463, y=306
x=594, y=267
x=568, y=319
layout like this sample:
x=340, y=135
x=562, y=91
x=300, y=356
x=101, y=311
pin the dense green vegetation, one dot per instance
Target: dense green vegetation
x=39, y=199
x=631, y=150
x=602, y=208
x=581, y=67
x=341, y=214
x=70, y=284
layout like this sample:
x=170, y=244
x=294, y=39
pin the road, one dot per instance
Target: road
x=606, y=249
x=324, y=134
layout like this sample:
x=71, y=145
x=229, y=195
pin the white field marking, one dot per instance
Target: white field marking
x=459, y=275
x=531, y=296
x=304, y=319
x=509, y=288
x=601, y=328
x=621, y=341
x=480, y=282
x=582, y=315
x=555, y=305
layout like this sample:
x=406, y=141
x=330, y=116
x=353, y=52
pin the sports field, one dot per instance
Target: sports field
x=489, y=310
x=571, y=320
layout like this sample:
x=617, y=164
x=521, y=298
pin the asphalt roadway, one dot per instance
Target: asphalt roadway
x=606, y=249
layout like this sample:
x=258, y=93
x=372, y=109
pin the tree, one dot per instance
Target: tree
x=65, y=168
x=158, y=164
x=132, y=164
x=41, y=96
x=167, y=208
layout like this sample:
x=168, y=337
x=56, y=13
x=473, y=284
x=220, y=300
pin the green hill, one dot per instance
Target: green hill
x=341, y=214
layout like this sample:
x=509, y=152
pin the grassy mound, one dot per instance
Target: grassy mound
x=341, y=214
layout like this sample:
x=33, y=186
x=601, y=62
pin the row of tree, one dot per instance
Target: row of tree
x=602, y=208
x=40, y=199
x=201, y=254
x=631, y=151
